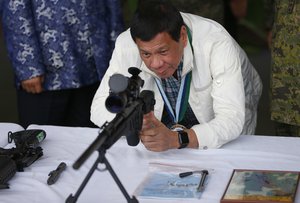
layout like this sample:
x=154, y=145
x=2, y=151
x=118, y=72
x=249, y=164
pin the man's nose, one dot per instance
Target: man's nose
x=156, y=62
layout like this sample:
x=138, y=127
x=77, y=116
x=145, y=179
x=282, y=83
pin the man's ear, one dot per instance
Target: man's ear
x=183, y=35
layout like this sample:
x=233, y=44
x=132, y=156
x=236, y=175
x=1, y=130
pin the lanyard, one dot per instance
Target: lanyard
x=182, y=98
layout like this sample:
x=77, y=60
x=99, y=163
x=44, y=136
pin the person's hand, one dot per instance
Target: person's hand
x=33, y=85
x=156, y=136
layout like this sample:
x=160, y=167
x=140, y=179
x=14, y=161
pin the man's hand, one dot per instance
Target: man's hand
x=156, y=136
x=33, y=85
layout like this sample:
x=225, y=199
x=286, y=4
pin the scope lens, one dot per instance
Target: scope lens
x=115, y=103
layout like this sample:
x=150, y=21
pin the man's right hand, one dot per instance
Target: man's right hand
x=33, y=85
x=156, y=136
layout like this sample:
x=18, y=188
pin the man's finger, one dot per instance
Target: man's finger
x=154, y=120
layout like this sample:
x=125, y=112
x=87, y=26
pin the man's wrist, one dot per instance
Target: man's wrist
x=193, y=141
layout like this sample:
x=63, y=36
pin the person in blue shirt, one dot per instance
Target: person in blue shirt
x=59, y=51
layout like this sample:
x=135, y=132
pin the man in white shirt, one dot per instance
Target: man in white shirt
x=206, y=90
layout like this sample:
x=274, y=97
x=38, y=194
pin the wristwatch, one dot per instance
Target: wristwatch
x=183, y=139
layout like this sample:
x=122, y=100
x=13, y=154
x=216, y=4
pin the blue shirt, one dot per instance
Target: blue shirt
x=69, y=42
x=1, y=6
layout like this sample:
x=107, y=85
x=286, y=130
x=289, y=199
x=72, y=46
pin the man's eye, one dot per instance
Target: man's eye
x=163, y=52
x=145, y=55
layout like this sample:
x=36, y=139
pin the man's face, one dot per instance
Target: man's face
x=162, y=54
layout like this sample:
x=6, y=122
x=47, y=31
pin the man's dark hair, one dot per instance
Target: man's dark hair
x=153, y=17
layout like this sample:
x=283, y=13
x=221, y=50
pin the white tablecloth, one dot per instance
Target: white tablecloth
x=131, y=165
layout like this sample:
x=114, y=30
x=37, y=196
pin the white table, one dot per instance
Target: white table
x=131, y=165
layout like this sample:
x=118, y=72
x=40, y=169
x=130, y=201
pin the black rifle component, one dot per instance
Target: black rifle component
x=8, y=169
x=24, y=154
x=123, y=90
x=27, y=150
x=130, y=105
x=54, y=175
